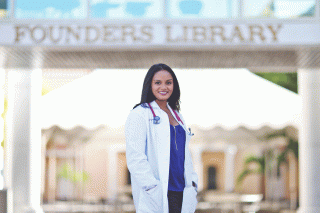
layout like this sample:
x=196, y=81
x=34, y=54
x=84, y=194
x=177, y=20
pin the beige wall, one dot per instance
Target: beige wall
x=96, y=157
x=216, y=159
x=122, y=170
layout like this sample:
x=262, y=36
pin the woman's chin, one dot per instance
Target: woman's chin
x=162, y=99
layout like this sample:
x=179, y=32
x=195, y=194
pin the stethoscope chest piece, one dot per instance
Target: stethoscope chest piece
x=156, y=120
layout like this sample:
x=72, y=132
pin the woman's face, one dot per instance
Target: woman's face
x=162, y=85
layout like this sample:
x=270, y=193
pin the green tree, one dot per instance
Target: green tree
x=68, y=173
x=286, y=80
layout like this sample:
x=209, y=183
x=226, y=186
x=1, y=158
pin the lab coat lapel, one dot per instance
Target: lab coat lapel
x=162, y=135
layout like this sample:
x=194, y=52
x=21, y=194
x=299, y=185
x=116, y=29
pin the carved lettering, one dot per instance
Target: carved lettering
x=126, y=34
x=275, y=32
x=51, y=34
x=169, y=36
x=19, y=33
x=217, y=31
x=108, y=35
x=93, y=29
x=147, y=30
x=74, y=34
x=38, y=30
x=236, y=34
x=199, y=34
x=256, y=30
x=128, y=31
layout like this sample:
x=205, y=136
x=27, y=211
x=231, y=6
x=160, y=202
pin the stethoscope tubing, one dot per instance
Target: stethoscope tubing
x=156, y=119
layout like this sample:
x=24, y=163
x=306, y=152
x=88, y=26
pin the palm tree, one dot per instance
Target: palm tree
x=282, y=158
x=292, y=146
x=261, y=162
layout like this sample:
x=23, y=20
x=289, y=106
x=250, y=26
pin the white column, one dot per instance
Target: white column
x=2, y=81
x=229, y=175
x=309, y=144
x=52, y=171
x=24, y=138
x=112, y=172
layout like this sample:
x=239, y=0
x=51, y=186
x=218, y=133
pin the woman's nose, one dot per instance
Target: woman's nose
x=163, y=86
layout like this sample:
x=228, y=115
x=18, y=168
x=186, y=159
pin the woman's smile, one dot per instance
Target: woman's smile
x=163, y=93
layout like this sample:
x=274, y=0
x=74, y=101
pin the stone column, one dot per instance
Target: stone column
x=23, y=148
x=52, y=171
x=309, y=144
x=112, y=172
x=229, y=175
x=2, y=82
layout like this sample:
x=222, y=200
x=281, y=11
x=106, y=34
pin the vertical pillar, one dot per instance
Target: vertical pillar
x=24, y=136
x=112, y=172
x=309, y=144
x=229, y=175
x=2, y=81
x=293, y=180
x=52, y=171
x=3, y=191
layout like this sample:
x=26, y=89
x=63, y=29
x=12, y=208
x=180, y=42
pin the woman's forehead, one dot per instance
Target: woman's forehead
x=162, y=74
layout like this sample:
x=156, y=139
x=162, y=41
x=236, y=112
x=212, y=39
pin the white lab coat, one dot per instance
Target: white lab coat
x=148, y=157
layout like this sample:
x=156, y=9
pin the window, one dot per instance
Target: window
x=51, y=9
x=126, y=9
x=279, y=8
x=203, y=8
x=212, y=178
x=4, y=8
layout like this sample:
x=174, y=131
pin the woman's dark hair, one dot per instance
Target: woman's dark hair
x=147, y=94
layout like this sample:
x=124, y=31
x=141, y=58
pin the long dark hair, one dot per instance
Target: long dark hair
x=147, y=94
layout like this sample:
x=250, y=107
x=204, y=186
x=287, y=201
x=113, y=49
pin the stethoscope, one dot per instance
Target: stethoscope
x=156, y=119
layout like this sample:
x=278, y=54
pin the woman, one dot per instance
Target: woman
x=158, y=157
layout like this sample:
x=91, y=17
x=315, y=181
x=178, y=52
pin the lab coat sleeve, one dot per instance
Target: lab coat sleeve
x=136, y=138
x=194, y=174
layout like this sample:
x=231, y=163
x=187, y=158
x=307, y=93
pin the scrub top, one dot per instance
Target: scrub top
x=177, y=155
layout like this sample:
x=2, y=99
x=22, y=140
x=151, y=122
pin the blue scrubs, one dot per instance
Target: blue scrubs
x=177, y=155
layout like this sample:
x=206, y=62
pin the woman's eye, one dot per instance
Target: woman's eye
x=158, y=82
x=169, y=82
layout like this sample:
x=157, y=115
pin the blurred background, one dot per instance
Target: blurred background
x=71, y=71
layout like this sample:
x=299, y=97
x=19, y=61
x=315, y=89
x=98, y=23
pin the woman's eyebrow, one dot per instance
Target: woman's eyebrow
x=160, y=80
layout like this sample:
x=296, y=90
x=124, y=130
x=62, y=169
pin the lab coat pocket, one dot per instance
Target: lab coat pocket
x=153, y=199
x=189, y=200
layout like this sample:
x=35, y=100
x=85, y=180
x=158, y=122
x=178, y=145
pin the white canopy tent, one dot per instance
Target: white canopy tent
x=209, y=98
x=233, y=106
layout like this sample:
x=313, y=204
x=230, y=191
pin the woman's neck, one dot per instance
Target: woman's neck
x=162, y=104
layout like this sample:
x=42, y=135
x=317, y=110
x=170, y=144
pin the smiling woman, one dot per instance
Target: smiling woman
x=50, y=9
